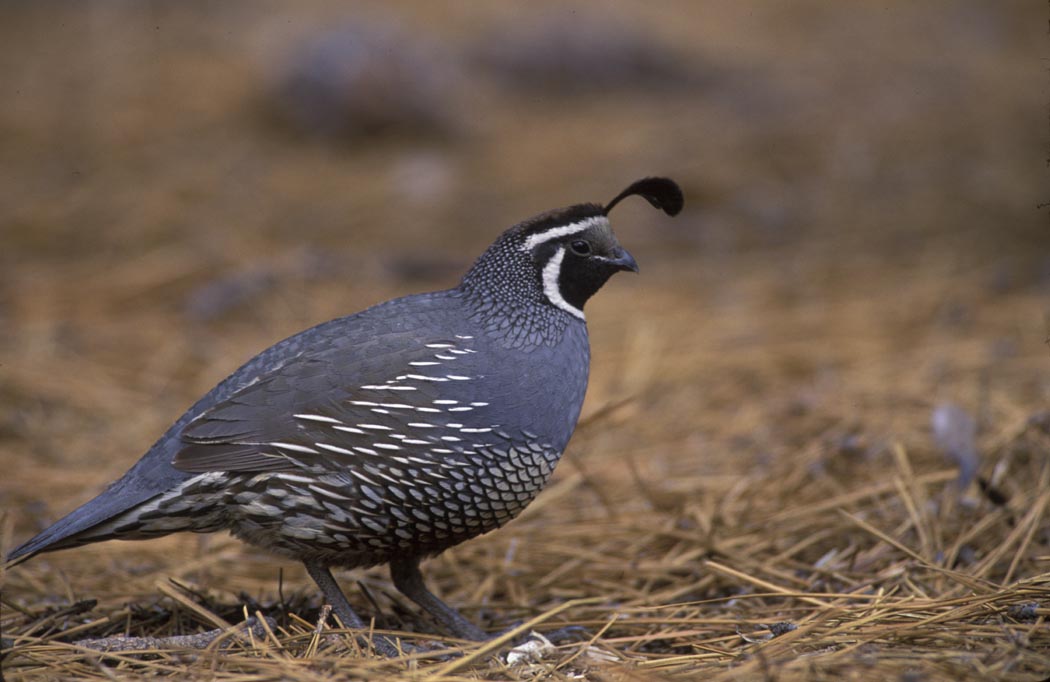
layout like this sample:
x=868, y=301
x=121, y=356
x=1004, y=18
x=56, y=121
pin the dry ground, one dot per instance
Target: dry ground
x=861, y=244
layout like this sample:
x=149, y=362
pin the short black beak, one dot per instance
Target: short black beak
x=624, y=261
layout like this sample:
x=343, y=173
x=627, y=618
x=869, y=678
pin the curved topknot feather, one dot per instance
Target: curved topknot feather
x=662, y=193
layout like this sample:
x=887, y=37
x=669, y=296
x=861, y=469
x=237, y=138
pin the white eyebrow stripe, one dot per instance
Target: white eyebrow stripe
x=563, y=231
x=551, y=272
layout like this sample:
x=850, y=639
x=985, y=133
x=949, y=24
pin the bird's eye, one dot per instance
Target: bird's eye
x=580, y=247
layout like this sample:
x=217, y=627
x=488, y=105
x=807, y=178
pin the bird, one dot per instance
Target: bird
x=392, y=434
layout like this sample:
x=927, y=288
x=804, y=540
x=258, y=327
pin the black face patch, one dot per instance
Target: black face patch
x=586, y=263
x=581, y=277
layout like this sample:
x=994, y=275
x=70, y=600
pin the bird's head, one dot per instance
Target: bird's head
x=562, y=257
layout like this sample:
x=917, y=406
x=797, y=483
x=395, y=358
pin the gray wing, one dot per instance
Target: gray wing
x=223, y=420
x=332, y=409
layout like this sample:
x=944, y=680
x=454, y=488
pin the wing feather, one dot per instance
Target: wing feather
x=256, y=429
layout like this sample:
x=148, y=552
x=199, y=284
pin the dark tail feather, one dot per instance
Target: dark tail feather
x=73, y=529
x=147, y=479
x=53, y=538
x=151, y=476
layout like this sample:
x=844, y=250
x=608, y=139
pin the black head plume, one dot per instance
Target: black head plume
x=662, y=193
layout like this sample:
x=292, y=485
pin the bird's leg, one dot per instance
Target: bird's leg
x=409, y=581
x=323, y=577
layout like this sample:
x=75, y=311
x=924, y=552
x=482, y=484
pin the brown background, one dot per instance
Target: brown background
x=861, y=242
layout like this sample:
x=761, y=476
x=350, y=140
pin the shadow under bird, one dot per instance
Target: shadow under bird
x=392, y=434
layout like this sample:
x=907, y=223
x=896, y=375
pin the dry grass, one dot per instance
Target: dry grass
x=754, y=492
x=883, y=569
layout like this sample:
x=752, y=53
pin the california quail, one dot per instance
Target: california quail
x=392, y=434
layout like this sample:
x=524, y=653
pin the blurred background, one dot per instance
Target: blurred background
x=185, y=183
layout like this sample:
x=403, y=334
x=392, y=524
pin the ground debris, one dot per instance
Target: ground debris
x=534, y=650
x=200, y=640
x=768, y=632
x=1024, y=612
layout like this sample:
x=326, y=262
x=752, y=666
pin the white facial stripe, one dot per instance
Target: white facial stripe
x=562, y=231
x=551, y=272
